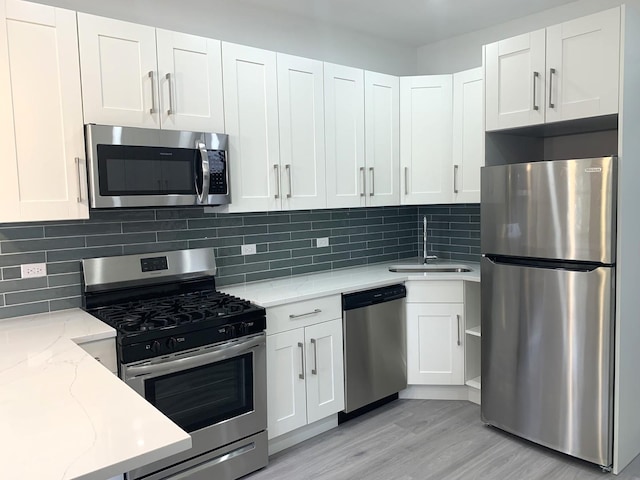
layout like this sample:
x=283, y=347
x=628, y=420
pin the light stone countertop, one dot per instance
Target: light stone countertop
x=269, y=293
x=65, y=416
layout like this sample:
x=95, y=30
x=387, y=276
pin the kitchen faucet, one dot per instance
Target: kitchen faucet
x=426, y=257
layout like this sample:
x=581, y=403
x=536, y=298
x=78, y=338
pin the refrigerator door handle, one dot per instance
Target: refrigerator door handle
x=543, y=263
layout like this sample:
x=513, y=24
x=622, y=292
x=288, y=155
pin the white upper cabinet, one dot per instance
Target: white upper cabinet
x=468, y=135
x=426, y=109
x=134, y=75
x=251, y=118
x=190, y=82
x=564, y=72
x=344, y=136
x=382, y=138
x=119, y=72
x=515, y=81
x=583, y=63
x=42, y=165
x=302, y=150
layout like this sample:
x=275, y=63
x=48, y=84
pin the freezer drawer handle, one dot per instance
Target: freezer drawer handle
x=314, y=370
x=459, y=318
x=301, y=346
x=300, y=315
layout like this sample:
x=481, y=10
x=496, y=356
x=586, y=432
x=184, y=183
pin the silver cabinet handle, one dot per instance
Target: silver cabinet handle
x=204, y=158
x=276, y=169
x=455, y=178
x=79, y=197
x=535, y=90
x=406, y=180
x=301, y=347
x=171, y=111
x=300, y=315
x=372, y=183
x=314, y=370
x=152, y=110
x=459, y=318
x=552, y=72
x=288, y=169
x=363, y=180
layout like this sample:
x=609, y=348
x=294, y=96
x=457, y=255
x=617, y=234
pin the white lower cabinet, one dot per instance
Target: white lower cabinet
x=305, y=379
x=435, y=333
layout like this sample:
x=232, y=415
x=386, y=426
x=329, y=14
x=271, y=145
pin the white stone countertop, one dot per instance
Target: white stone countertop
x=269, y=293
x=65, y=416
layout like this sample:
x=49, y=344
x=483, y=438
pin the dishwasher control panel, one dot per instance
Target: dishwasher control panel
x=373, y=296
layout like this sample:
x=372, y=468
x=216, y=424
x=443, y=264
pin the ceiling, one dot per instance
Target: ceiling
x=411, y=22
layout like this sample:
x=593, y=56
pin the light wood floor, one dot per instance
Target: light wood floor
x=426, y=440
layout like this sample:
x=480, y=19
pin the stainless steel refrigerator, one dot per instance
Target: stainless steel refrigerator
x=548, y=292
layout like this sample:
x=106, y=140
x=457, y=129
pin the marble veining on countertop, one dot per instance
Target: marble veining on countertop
x=65, y=416
x=269, y=293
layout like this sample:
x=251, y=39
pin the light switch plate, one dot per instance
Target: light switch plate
x=322, y=242
x=249, y=249
x=33, y=270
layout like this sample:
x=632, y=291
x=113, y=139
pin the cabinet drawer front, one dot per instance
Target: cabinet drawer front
x=302, y=314
x=103, y=351
x=435, y=292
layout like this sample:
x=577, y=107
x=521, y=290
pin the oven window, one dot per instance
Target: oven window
x=202, y=396
x=131, y=170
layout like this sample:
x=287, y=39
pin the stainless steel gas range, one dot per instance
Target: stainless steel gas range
x=196, y=354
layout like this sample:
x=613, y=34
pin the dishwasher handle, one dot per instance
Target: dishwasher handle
x=374, y=296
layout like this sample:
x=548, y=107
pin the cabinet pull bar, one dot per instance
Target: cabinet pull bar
x=535, y=90
x=79, y=197
x=455, y=178
x=372, y=185
x=459, y=318
x=314, y=370
x=300, y=315
x=288, y=169
x=552, y=72
x=171, y=111
x=406, y=180
x=301, y=346
x=152, y=110
x=276, y=170
x=363, y=180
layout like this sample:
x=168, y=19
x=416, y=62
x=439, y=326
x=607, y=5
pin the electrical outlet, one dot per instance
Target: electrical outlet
x=32, y=270
x=322, y=242
x=249, y=249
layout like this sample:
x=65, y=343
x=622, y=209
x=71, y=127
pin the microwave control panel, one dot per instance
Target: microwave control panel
x=217, y=173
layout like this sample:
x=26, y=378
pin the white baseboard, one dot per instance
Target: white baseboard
x=301, y=434
x=441, y=392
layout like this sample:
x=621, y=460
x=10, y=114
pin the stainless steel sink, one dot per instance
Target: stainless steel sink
x=426, y=268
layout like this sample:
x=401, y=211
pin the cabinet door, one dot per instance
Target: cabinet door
x=515, y=81
x=119, y=74
x=583, y=65
x=435, y=350
x=325, y=374
x=286, y=398
x=251, y=117
x=382, y=138
x=301, y=113
x=468, y=135
x=42, y=167
x=344, y=121
x=190, y=82
x=426, y=110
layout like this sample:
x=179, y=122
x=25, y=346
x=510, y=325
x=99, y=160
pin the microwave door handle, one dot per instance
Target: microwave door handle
x=204, y=157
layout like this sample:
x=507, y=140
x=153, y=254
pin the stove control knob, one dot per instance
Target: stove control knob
x=231, y=331
x=155, y=346
x=242, y=328
x=171, y=343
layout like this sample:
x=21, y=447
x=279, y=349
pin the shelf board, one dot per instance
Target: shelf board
x=474, y=331
x=474, y=382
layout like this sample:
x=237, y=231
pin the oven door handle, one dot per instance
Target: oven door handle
x=221, y=352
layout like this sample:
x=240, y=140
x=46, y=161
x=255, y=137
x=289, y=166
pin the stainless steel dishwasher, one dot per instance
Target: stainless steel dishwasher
x=375, y=347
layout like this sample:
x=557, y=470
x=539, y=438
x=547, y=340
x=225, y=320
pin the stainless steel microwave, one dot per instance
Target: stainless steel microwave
x=141, y=167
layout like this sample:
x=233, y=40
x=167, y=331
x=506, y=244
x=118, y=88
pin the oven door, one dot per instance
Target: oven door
x=217, y=394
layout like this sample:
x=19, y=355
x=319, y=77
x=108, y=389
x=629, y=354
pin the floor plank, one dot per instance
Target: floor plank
x=426, y=440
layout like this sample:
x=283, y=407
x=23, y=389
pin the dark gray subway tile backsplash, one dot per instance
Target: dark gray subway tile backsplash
x=285, y=243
